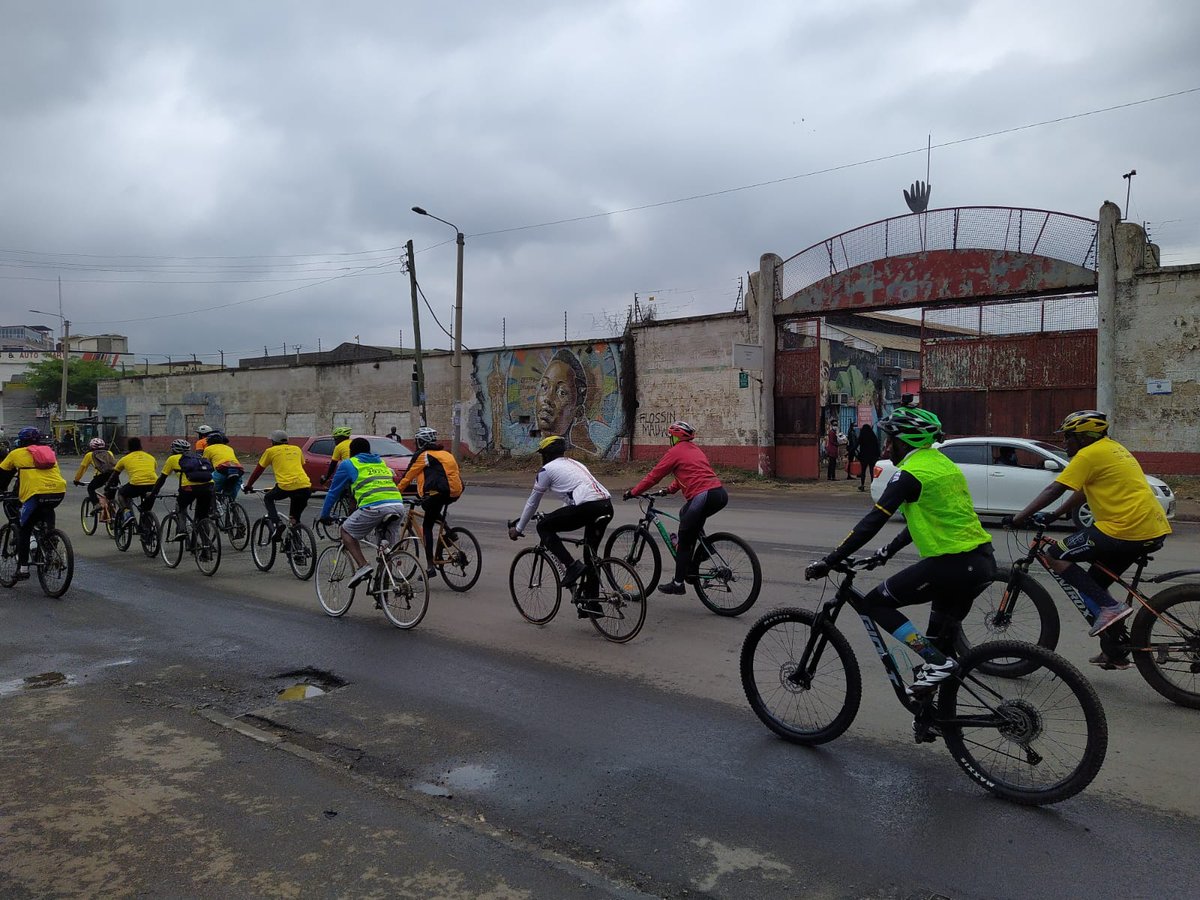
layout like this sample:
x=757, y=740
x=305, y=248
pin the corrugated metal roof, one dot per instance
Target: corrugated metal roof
x=879, y=338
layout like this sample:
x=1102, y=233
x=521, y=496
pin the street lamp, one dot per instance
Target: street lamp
x=456, y=415
x=66, y=328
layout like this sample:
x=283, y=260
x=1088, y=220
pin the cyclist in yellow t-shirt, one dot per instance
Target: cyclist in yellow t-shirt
x=341, y=451
x=291, y=481
x=1129, y=523
x=101, y=459
x=227, y=469
x=142, y=471
x=40, y=488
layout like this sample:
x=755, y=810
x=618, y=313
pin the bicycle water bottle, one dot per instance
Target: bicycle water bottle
x=33, y=543
x=674, y=541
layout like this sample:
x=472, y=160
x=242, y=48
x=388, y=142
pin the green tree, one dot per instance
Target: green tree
x=45, y=380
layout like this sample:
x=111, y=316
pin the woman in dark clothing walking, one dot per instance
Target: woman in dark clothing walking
x=868, y=455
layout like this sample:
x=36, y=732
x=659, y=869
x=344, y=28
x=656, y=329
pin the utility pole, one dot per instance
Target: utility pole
x=1128, y=176
x=222, y=352
x=419, y=370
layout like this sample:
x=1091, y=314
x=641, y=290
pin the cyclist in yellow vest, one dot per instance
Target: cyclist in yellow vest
x=957, y=562
x=341, y=451
x=1128, y=524
x=370, y=481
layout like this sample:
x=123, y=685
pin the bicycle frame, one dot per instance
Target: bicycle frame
x=923, y=708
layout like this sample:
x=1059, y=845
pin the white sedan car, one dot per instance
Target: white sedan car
x=1005, y=473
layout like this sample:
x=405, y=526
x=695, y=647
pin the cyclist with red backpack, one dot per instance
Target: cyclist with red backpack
x=40, y=488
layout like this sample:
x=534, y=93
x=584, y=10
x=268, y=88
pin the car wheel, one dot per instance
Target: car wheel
x=1083, y=517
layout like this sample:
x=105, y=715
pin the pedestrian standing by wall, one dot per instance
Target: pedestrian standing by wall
x=831, y=452
x=851, y=447
x=868, y=455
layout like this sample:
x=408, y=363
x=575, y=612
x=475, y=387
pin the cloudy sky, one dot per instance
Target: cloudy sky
x=229, y=175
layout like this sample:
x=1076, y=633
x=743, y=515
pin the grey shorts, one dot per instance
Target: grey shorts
x=361, y=523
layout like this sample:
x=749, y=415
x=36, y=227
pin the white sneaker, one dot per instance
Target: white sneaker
x=930, y=676
x=361, y=575
x=1110, y=615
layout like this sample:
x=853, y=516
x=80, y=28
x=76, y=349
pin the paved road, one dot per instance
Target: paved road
x=479, y=755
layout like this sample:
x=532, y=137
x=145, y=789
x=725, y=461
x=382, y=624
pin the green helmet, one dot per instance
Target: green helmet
x=342, y=431
x=917, y=427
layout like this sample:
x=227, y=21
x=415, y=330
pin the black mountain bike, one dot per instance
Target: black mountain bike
x=50, y=552
x=1033, y=741
x=200, y=537
x=1164, y=637
x=296, y=542
x=231, y=519
x=615, y=601
x=143, y=524
x=728, y=575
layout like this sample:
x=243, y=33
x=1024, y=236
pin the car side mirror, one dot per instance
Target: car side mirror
x=1052, y=465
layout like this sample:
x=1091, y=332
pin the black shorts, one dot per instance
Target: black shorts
x=1094, y=546
x=950, y=583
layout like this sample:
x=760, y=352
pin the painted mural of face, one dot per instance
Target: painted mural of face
x=557, y=395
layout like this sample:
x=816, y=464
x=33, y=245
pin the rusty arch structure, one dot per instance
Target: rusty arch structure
x=958, y=257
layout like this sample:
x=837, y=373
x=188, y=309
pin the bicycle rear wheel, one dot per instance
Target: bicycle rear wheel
x=1029, y=616
x=262, y=548
x=207, y=549
x=148, y=534
x=622, y=600
x=810, y=707
x=1166, y=642
x=333, y=572
x=1034, y=740
x=301, y=551
x=535, y=585
x=404, y=598
x=8, y=556
x=461, y=559
x=56, y=563
x=170, y=547
x=636, y=546
x=729, y=575
x=89, y=515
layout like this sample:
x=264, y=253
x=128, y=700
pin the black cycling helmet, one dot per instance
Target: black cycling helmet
x=552, y=447
x=919, y=428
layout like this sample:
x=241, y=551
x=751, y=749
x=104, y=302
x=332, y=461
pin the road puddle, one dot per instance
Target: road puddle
x=461, y=778
x=34, y=682
x=300, y=691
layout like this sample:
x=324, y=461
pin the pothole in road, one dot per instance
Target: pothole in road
x=462, y=778
x=33, y=682
x=307, y=682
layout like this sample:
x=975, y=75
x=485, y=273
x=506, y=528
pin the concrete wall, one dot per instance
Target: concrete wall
x=685, y=371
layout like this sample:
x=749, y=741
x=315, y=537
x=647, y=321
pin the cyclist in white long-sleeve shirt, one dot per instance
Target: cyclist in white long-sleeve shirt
x=586, y=504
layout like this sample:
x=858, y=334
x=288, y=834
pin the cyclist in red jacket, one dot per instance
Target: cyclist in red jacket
x=702, y=492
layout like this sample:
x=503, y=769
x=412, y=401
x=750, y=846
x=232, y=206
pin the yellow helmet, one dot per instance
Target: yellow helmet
x=1085, y=421
x=554, y=445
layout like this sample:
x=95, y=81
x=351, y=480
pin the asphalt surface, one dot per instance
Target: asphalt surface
x=480, y=756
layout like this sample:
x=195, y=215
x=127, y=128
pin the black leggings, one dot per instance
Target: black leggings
x=298, y=498
x=202, y=495
x=951, y=583
x=593, y=517
x=692, y=517
x=435, y=511
x=99, y=481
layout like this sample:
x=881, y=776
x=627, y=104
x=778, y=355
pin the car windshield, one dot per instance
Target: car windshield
x=1052, y=450
x=382, y=446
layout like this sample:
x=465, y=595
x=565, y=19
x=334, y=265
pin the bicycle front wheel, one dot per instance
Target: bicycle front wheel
x=8, y=556
x=1029, y=616
x=89, y=515
x=56, y=563
x=812, y=706
x=728, y=574
x=148, y=533
x=302, y=551
x=460, y=559
x=333, y=571
x=262, y=548
x=636, y=546
x=170, y=545
x=1166, y=643
x=404, y=598
x=207, y=549
x=622, y=600
x=125, y=529
x=535, y=585
x=238, y=530
x=1035, y=740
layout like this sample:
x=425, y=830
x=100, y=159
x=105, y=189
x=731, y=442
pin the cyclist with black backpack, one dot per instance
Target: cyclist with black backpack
x=195, y=481
x=438, y=484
